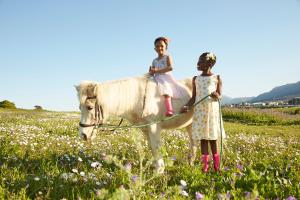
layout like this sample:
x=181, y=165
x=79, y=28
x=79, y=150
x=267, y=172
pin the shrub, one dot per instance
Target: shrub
x=7, y=104
x=36, y=107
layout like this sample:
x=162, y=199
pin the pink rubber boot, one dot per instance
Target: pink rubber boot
x=205, y=162
x=216, y=158
x=169, y=106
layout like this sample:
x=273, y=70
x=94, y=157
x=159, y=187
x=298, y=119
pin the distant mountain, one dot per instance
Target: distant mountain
x=280, y=93
x=228, y=100
x=283, y=92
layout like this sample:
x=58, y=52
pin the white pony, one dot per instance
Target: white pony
x=138, y=100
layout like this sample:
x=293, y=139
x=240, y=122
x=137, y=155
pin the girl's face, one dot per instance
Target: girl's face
x=203, y=65
x=160, y=47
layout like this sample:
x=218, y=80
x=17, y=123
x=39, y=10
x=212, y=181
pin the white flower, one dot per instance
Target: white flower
x=82, y=174
x=64, y=176
x=98, y=183
x=95, y=164
x=183, y=183
x=75, y=171
x=36, y=178
x=184, y=193
x=79, y=159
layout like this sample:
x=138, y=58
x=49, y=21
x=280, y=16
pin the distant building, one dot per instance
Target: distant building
x=272, y=103
x=294, y=101
x=258, y=104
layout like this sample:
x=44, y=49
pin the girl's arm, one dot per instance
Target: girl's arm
x=192, y=99
x=217, y=94
x=167, y=68
x=219, y=86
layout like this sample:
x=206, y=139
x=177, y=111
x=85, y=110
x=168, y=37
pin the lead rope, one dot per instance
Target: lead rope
x=221, y=132
x=167, y=119
x=150, y=123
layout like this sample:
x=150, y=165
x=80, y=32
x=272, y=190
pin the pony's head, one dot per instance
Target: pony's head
x=91, y=109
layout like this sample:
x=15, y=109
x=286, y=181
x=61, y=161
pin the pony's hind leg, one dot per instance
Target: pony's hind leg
x=193, y=146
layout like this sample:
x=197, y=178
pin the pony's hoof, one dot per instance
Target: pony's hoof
x=160, y=166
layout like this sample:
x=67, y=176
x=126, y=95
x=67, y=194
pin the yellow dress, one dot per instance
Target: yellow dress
x=206, y=119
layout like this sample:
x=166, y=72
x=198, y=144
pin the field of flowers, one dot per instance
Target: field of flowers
x=42, y=157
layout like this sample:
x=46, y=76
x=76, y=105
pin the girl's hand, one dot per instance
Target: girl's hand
x=215, y=96
x=184, y=109
x=152, y=70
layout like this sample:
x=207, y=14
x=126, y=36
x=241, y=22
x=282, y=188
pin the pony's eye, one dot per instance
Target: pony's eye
x=89, y=107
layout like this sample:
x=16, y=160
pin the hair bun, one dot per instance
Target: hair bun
x=166, y=40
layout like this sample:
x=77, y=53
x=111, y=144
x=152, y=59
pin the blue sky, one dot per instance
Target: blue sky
x=46, y=47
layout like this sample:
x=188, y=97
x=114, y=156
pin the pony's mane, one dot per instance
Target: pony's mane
x=122, y=95
x=119, y=95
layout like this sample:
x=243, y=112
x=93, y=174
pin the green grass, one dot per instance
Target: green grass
x=42, y=157
x=260, y=116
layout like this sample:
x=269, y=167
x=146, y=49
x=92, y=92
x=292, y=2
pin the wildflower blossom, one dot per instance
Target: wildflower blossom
x=95, y=164
x=228, y=195
x=173, y=158
x=199, y=195
x=240, y=167
x=291, y=198
x=184, y=193
x=226, y=169
x=247, y=195
x=82, y=174
x=183, y=183
x=127, y=166
x=134, y=178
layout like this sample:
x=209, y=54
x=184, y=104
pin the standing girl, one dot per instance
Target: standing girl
x=161, y=70
x=206, y=120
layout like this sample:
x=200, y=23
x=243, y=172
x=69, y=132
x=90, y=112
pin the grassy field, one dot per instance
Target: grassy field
x=42, y=157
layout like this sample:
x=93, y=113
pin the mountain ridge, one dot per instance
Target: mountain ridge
x=283, y=92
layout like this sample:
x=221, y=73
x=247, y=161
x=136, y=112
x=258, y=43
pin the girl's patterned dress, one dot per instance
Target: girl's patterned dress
x=166, y=82
x=206, y=120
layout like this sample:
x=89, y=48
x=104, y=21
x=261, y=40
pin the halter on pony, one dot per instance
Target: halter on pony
x=98, y=114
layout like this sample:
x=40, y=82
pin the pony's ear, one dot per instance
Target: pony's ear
x=77, y=87
x=96, y=90
x=92, y=89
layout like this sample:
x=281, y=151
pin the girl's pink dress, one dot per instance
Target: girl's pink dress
x=166, y=82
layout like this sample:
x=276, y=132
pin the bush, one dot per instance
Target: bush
x=7, y=104
x=36, y=107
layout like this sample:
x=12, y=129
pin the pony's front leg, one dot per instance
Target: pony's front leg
x=193, y=146
x=155, y=142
